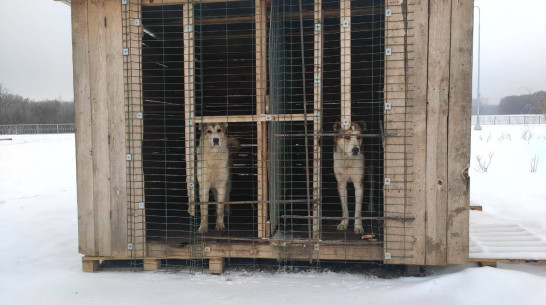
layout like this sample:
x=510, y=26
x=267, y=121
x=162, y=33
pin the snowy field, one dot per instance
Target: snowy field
x=39, y=262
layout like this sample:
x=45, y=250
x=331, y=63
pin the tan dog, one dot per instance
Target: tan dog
x=213, y=170
x=349, y=167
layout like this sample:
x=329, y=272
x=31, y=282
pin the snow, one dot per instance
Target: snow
x=39, y=261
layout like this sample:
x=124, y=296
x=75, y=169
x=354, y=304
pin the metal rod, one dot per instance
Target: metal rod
x=352, y=218
x=254, y=201
x=374, y=135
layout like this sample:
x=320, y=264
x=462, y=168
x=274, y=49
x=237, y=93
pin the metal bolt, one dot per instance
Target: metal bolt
x=346, y=122
x=387, y=255
x=317, y=79
x=317, y=27
x=346, y=23
x=388, y=106
x=130, y=246
x=388, y=12
x=139, y=115
x=387, y=181
x=128, y=157
x=388, y=51
x=125, y=51
x=141, y=205
x=268, y=117
x=187, y=28
x=137, y=22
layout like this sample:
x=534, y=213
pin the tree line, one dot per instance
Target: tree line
x=15, y=109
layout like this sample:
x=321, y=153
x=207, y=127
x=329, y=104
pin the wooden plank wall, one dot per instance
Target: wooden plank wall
x=439, y=67
x=100, y=122
x=317, y=118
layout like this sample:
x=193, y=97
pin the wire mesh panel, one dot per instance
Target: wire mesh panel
x=256, y=129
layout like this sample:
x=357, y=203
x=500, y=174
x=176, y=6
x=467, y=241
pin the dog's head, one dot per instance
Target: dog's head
x=347, y=140
x=213, y=135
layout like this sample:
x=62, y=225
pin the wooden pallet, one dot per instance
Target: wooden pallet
x=92, y=263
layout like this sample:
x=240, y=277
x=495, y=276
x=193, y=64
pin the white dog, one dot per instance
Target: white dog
x=349, y=166
x=213, y=170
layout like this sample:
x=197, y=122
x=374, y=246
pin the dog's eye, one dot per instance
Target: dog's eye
x=219, y=130
x=209, y=131
x=347, y=137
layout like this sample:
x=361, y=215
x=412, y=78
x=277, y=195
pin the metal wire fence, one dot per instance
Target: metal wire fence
x=509, y=119
x=270, y=115
x=36, y=129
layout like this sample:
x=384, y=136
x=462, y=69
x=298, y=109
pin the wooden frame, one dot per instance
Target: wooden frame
x=427, y=80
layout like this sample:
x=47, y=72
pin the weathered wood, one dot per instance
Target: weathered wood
x=398, y=238
x=476, y=208
x=84, y=135
x=437, y=112
x=317, y=118
x=174, y=2
x=261, y=91
x=460, y=108
x=152, y=264
x=345, y=60
x=90, y=265
x=116, y=128
x=99, y=125
x=418, y=117
x=189, y=104
x=216, y=265
x=253, y=118
x=132, y=36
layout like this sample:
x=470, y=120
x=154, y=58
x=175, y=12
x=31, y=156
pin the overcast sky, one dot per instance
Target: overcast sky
x=36, y=55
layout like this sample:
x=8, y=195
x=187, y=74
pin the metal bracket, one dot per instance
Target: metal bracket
x=317, y=79
x=139, y=115
x=137, y=22
x=387, y=181
x=346, y=122
x=388, y=51
x=317, y=26
x=388, y=12
x=346, y=23
x=188, y=28
x=141, y=205
x=128, y=157
x=387, y=255
x=388, y=106
x=125, y=51
x=129, y=246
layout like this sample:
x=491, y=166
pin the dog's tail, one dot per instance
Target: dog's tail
x=233, y=145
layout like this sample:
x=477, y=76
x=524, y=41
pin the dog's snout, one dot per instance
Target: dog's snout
x=216, y=141
x=355, y=151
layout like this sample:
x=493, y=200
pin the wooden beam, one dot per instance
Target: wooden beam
x=345, y=60
x=418, y=117
x=90, y=265
x=317, y=118
x=216, y=265
x=261, y=91
x=82, y=120
x=152, y=264
x=99, y=110
x=459, y=126
x=437, y=112
x=189, y=103
x=252, y=118
x=180, y=2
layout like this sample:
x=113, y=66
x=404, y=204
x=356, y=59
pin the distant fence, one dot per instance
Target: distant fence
x=509, y=119
x=36, y=128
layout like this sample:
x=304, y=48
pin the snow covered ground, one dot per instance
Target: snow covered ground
x=39, y=262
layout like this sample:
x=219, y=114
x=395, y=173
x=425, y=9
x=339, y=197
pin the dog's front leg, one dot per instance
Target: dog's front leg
x=204, y=196
x=359, y=190
x=342, y=189
x=221, y=197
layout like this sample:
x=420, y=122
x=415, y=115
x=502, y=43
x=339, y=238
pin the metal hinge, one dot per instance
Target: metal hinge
x=187, y=28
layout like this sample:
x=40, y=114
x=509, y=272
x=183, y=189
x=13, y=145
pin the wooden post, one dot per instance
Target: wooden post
x=152, y=264
x=216, y=265
x=317, y=119
x=90, y=265
x=132, y=41
x=459, y=126
x=345, y=59
x=261, y=91
x=438, y=106
x=189, y=102
x=82, y=122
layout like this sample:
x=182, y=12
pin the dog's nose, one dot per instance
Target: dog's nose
x=355, y=151
x=215, y=141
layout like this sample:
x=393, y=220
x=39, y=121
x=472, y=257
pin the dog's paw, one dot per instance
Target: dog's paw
x=203, y=229
x=191, y=210
x=220, y=226
x=359, y=229
x=342, y=226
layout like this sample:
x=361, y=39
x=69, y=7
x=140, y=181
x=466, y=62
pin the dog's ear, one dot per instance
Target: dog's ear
x=337, y=127
x=358, y=126
x=223, y=126
x=200, y=126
